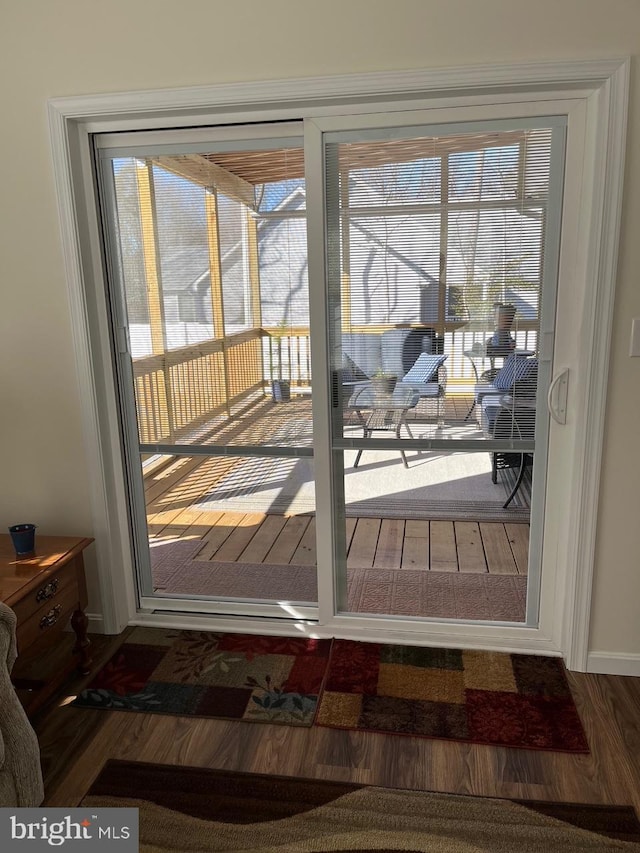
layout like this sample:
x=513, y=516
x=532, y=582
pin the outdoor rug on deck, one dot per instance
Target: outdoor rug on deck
x=438, y=595
x=205, y=674
x=399, y=592
x=176, y=569
x=481, y=697
x=195, y=810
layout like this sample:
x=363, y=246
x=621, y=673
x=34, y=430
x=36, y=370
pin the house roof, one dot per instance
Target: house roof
x=185, y=267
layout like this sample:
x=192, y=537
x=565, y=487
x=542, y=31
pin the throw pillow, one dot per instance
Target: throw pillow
x=516, y=368
x=425, y=368
x=526, y=381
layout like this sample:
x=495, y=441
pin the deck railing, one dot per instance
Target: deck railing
x=287, y=355
x=460, y=372
x=180, y=390
x=291, y=350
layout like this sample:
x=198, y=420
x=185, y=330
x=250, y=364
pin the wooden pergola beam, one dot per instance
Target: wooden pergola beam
x=203, y=172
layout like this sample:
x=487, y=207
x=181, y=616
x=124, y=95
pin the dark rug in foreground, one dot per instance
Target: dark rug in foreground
x=204, y=674
x=192, y=809
x=482, y=697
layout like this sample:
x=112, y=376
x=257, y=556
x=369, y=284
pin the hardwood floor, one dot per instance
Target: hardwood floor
x=76, y=743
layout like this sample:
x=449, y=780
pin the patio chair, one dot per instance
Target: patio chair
x=412, y=356
x=520, y=369
x=508, y=411
x=428, y=378
x=515, y=418
x=386, y=412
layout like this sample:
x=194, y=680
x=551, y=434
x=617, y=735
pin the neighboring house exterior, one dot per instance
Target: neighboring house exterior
x=394, y=261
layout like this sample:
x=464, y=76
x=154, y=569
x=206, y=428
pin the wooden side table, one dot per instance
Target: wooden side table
x=46, y=591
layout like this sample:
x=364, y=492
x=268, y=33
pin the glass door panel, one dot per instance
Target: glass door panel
x=437, y=272
x=209, y=286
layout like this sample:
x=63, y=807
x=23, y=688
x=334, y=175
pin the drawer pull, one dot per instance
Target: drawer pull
x=48, y=590
x=51, y=617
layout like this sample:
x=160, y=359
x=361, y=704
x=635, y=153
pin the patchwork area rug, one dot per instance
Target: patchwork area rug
x=481, y=697
x=203, y=674
x=185, y=809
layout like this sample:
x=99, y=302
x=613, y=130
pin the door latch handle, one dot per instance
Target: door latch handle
x=557, y=397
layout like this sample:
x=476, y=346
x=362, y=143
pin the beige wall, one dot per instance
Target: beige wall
x=82, y=47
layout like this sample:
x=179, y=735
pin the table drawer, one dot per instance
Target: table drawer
x=46, y=594
x=50, y=618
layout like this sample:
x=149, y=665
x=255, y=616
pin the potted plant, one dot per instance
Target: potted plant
x=383, y=382
x=280, y=387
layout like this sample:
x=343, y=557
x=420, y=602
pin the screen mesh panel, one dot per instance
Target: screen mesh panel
x=214, y=269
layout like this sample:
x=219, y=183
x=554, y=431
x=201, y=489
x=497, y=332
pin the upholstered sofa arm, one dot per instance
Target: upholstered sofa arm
x=20, y=773
x=8, y=645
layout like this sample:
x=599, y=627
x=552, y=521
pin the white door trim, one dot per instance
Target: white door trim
x=603, y=87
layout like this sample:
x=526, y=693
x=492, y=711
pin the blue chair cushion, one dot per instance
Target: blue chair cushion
x=516, y=368
x=425, y=368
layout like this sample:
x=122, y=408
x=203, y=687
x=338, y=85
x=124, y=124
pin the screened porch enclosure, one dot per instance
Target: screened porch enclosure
x=433, y=237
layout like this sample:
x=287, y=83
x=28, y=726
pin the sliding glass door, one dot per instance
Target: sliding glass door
x=209, y=287
x=415, y=264
x=442, y=247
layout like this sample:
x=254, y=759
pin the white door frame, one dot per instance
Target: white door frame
x=590, y=244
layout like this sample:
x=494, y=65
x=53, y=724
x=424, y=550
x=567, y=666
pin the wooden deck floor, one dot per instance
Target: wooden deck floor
x=384, y=543
x=175, y=491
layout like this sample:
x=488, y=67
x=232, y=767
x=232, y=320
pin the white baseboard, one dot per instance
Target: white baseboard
x=603, y=663
x=513, y=640
x=608, y=663
x=96, y=623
